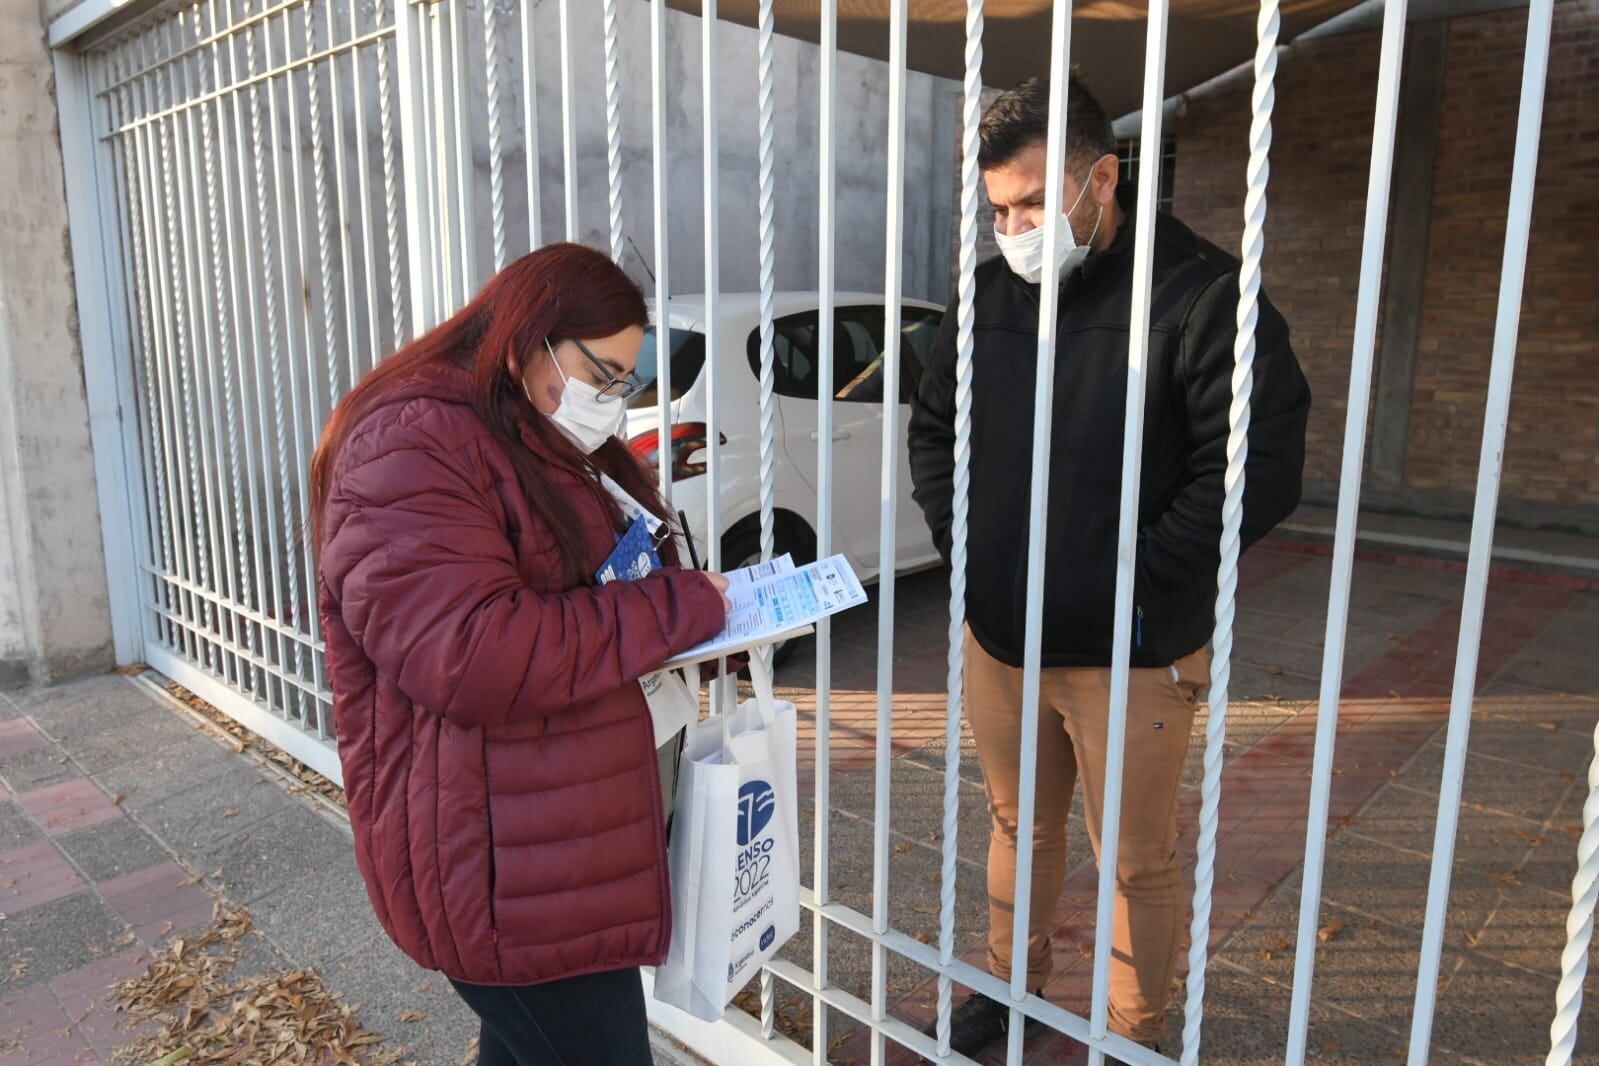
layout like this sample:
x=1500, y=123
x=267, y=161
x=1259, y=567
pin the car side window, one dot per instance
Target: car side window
x=858, y=369
x=793, y=355
x=858, y=354
x=918, y=331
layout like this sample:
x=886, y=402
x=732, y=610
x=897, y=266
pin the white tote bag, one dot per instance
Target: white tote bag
x=734, y=853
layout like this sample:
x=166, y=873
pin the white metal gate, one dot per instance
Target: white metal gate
x=281, y=191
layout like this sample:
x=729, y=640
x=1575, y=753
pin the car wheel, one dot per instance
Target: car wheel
x=742, y=547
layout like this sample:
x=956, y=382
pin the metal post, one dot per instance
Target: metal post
x=1496, y=419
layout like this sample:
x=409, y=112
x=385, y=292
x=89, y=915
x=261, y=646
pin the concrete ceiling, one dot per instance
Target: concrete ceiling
x=1207, y=38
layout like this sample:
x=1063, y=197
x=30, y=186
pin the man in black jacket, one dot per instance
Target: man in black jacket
x=1188, y=393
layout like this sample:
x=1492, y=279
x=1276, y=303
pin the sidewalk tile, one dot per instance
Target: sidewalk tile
x=156, y=902
x=91, y=981
x=35, y=768
x=18, y=735
x=70, y=805
x=34, y=875
x=111, y=849
x=46, y=941
x=16, y=828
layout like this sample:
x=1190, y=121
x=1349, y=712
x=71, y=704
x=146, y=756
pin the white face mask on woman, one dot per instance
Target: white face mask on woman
x=1024, y=252
x=587, y=418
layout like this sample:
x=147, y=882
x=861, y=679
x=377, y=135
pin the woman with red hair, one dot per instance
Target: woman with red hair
x=498, y=755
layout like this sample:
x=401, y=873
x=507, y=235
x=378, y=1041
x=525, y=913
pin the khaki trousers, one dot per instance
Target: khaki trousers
x=1074, y=707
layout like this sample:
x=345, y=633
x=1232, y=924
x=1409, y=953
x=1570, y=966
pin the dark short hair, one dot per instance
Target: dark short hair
x=1019, y=119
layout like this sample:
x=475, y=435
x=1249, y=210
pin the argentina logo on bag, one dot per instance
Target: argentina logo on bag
x=757, y=802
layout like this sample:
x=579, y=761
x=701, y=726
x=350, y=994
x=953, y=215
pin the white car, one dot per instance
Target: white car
x=857, y=424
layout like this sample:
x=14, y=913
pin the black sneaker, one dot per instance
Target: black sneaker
x=977, y=1024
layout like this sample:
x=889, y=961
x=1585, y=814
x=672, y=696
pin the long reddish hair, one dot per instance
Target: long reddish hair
x=562, y=290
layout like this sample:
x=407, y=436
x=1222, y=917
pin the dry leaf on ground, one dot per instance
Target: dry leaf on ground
x=1330, y=930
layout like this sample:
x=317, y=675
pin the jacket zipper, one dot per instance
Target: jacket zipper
x=1138, y=626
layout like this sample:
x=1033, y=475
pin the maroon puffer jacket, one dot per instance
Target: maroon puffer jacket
x=498, y=758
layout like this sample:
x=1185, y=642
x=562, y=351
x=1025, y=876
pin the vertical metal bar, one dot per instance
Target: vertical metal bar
x=1512, y=276
x=363, y=172
x=713, y=279
x=613, y=127
x=415, y=120
x=827, y=137
x=1038, y=516
x=1127, y=535
x=251, y=344
x=215, y=560
x=766, y=229
x=94, y=189
x=306, y=427
x=491, y=74
x=530, y=123
x=212, y=327
x=1254, y=248
x=767, y=407
x=893, y=270
x=269, y=326
x=224, y=261
x=294, y=294
x=341, y=189
x=569, y=120
x=966, y=288
x=465, y=212
x=391, y=208
x=440, y=123
x=154, y=182
x=1367, y=305
x=324, y=241
x=190, y=324
x=663, y=259
x=131, y=198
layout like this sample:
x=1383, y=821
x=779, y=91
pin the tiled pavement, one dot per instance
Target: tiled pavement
x=1538, y=703
x=121, y=824
x=112, y=798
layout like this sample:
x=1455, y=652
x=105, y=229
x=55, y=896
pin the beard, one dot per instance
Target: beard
x=1085, y=221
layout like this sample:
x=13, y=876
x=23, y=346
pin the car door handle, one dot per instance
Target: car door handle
x=838, y=434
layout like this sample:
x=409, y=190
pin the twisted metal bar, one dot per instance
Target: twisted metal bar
x=491, y=47
x=1579, y=926
x=613, y=127
x=324, y=241
x=1254, y=247
x=224, y=332
x=391, y=203
x=184, y=356
x=274, y=353
x=971, y=116
x=768, y=448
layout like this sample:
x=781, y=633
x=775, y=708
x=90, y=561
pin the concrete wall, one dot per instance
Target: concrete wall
x=53, y=607
x=861, y=154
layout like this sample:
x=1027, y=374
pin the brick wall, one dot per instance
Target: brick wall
x=1552, y=451
x=1320, y=155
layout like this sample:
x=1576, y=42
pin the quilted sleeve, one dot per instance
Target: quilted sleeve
x=425, y=580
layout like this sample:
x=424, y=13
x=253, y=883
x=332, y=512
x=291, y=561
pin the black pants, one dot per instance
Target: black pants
x=595, y=1019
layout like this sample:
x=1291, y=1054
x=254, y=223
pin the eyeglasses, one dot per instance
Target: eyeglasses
x=615, y=388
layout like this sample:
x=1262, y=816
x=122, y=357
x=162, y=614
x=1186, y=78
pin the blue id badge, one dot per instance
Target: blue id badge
x=634, y=556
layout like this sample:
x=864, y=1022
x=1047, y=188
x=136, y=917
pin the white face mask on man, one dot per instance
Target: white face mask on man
x=1024, y=252
x=586, y=417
